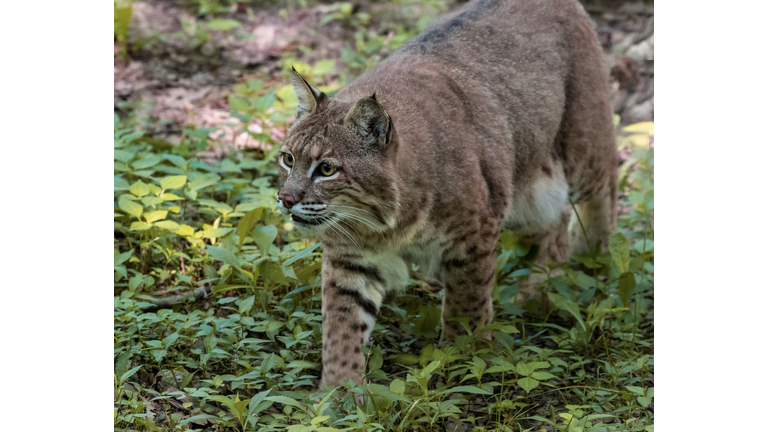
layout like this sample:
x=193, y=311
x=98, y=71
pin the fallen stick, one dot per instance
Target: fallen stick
x=170, y=301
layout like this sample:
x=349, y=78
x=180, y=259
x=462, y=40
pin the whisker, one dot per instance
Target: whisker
x=358, y=219
x=377, y=218
x=354, y=208
x=341, y=230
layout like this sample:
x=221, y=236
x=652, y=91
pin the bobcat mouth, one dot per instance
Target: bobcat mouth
x=313, y=222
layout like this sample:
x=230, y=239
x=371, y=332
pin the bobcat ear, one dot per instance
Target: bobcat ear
x=370, y=121
x=308, y=96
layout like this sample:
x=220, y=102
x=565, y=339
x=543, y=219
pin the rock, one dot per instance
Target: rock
x=642, y=51
x=640, y=113
x=455, y=425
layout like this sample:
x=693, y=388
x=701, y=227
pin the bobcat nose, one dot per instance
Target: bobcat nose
x=288, y=200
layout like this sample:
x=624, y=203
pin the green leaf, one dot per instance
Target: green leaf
x=224, y=288
x=397, y=386
x=635, y=389
x=285, y=400
x=619, y=248
x=223, y=24
x=645, y=400
x=166, y=196
x=185, y=230
x=151, y=200
x=256, y=400
x=466, y=389
x=639, y=245
x=239, y=408
x=375, y=362
x=130, y=207
x=228, y=402
x=264, y=236
x=123, y=257
x=380, y=390
x=430, y=368
x=140, y=226
x=302, y=254
x=627, y=283
x=246, y=224
x=539, y=365
x=121, y=184
x=239, y=104
x=169, y=225
x=170, y=339
x=301, y=364
x=188, y=379
x=203, y=182
x=246, y=305
x=129, y=374
x=223, y=255
x=179, y=161
x=123, y=362
x=135, y=281
x=218, y=232
x=523, y=369
x=273, y=272
x=527, y=384
x=173, y=182
x=198, y=417
x=287, y=96
x=147, y=162
x=139, y=188
x=568, y=306
x=320, y=419
x=542, y=376
x=508, y=329
x=155, y=216
x=324, y=67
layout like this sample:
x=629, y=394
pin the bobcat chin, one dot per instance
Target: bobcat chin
x=491, y=118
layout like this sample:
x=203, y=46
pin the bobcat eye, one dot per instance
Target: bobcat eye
x=327, y=169
x=288, y=159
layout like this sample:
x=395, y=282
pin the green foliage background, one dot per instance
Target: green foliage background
x=217, y=299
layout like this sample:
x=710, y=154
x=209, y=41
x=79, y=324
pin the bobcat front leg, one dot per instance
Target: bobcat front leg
x=469, y=278
x=352, y=294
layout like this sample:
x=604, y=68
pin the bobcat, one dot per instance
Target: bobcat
x=491, y=118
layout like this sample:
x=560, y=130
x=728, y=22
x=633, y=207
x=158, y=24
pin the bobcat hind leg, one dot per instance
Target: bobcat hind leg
x=552, y=249
x=598, y=217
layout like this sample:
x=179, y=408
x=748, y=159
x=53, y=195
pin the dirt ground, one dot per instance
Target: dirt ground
x=174, y=78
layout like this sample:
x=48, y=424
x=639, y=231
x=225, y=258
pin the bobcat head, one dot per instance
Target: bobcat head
x=334, y=164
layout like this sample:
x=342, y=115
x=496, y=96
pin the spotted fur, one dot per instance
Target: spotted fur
x=493, y=117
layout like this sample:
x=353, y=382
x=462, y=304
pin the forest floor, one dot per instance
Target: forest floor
x=201, y=97
x=180, y=74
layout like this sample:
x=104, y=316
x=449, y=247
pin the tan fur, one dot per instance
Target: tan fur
x=492, y=117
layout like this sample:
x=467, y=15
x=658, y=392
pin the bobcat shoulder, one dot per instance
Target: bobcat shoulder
x=493, y=117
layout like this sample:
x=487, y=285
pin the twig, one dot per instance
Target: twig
x=199, y=293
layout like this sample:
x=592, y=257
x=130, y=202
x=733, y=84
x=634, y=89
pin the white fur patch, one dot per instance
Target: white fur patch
x=312, y=169
x=371, y=322
x=541, y=204
x=318, y=179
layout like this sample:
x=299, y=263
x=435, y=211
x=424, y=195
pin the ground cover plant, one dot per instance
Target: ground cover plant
x=217, y=298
